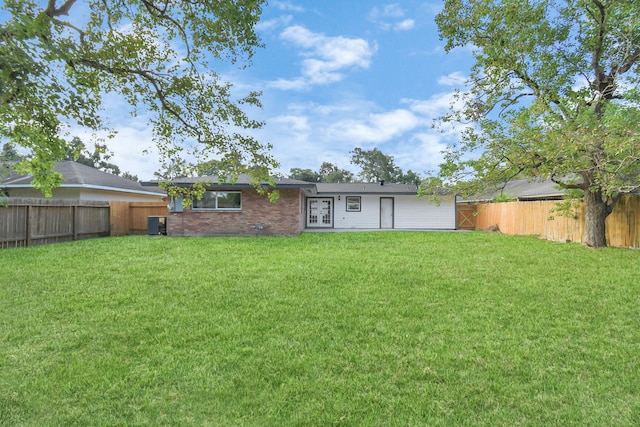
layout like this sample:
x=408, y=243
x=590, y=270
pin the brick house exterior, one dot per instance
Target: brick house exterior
x=253, y=215
x=258, y=216
x=239, y=210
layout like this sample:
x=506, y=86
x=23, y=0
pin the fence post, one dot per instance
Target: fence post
x=27, y=225
x=74, y=222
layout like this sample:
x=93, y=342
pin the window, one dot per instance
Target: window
x=219, y=200
x=353, y=203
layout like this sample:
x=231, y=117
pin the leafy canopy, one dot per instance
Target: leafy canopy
x=553, y=93
x=58, y=60
x=377, y=166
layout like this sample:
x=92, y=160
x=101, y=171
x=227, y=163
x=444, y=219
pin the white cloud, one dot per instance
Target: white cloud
x=132, y=139
x=376, y=128
x=326, y=58
x=306, y=134
x=391, y=16
x=385, y=12
x=405, y=25
x=453, y=79
x=272, y=24
x=422, y=153
x=286, y=5
x=293, y=84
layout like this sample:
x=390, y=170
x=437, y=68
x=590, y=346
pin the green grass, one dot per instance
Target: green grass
x=326, y=329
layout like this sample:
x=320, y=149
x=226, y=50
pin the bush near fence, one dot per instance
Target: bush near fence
x=532, y=218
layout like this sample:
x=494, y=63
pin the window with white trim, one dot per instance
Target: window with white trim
x=219, y=200
x=353, y=203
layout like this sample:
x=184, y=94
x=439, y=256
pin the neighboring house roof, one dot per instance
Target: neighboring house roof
x=365, y=188
x=524, y=189
x=77, y=175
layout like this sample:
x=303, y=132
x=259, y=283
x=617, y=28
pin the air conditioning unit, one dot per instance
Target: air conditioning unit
x=157, y=225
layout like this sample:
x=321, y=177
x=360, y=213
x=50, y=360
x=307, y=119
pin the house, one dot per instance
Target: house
x=376, y=206
x=238, y=209
x=82, y=182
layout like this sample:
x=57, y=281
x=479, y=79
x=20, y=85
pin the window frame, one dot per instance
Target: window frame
x=359, y=201
x=215, y=197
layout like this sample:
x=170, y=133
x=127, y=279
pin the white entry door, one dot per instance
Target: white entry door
x=386, y=212
x=320, y=212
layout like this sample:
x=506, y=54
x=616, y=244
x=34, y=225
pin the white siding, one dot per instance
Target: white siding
x=409, y=212
x=412, y=212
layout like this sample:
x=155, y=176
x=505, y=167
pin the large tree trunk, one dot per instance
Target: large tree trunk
x=596, y=212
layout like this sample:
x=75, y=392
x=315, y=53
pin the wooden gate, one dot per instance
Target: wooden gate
x=465, y=217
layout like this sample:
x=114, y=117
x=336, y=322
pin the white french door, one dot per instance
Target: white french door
x=320, y=212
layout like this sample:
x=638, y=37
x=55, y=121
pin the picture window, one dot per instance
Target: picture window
x=219, y=200
x=353, y=203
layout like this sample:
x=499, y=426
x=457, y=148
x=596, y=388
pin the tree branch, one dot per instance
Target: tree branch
x=149, y=77
x=161, y=13
x=51, y=10
x=630, y=62
x=539, y=93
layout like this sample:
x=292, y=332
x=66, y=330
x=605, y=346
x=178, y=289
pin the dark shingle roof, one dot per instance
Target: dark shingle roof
x=525, y=189
x=79, y=175
x=243, y=180
x=365, y=188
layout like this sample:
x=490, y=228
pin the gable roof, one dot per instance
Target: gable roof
x=365, y=188
x=319, y=188
x=77, y=175
x=242, y=181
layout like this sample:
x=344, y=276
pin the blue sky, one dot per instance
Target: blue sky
x=336, y=75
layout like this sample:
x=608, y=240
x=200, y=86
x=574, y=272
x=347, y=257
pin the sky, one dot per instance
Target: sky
x=336, y=75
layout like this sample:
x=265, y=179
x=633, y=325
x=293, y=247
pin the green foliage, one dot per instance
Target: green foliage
x=323, y=329
x=503, y=198
x=10, y=154
x=328, y=172
x=568, y=207
x=376, y=166
x=331, y=173
x=304, y=175
x=56, y=63
x=553, y=92
x=77, y=151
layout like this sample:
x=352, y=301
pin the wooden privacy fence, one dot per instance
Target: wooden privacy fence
x=27, y=222
x=532, y=218
x=131, y=217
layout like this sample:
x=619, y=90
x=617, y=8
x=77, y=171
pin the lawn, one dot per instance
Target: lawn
x=386, y=328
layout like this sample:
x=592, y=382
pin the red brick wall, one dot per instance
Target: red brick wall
x=284, y=217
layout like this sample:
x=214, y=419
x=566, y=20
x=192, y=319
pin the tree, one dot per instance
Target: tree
x=130, y=176
x=553, y=93
x=304, y=175
x=328, y=172
x=10, y=154
x=332, y=173
x=77, y=151
x=377, y=166
x=58, y=59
